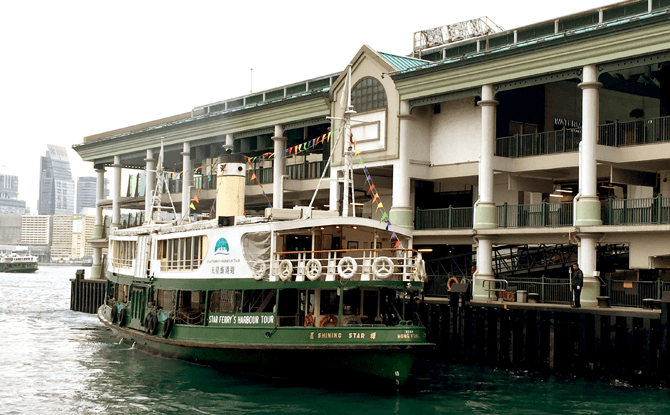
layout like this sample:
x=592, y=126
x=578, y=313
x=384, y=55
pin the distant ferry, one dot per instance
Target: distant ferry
x=273, y=294
x=18, y=263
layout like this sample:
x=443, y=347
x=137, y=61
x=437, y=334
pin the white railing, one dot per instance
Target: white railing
x=341, y=265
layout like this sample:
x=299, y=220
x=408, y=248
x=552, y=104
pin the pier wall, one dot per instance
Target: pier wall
x=86, y=295
x=630, y=344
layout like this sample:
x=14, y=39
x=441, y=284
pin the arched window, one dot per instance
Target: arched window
x=368, y=94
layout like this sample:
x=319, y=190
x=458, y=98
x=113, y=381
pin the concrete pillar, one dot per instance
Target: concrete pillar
x=116, y=191
x=484, y=269
x=229, y=143
x=485, y=210
x=401, y=212
x=186, y=181
x=588, y=206
x=279, y=167
x=149, y=183
x=587, y=263
x=99, y=228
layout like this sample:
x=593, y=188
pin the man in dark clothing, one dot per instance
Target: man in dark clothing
x=577, y=285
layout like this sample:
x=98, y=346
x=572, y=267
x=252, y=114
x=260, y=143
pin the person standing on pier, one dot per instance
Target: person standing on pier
x=577, y=282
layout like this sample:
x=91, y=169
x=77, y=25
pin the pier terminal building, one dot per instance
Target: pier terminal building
x=553, y=134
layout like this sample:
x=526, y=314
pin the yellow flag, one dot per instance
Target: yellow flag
x=379, y=206
x=191, y=206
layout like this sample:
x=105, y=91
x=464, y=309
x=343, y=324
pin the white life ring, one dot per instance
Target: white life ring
x=258, y=269
x=347, y=267
x=285, y=270
x=313, y=269
x=382, y=267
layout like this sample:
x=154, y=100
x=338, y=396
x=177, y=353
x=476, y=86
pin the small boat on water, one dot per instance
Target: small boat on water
x=18, y=263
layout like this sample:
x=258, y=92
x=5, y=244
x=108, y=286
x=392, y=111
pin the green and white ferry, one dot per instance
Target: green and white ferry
x=274, y=294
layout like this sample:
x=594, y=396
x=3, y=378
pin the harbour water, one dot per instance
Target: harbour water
x=53, y=360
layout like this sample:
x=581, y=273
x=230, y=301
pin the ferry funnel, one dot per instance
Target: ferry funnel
x=231, y=173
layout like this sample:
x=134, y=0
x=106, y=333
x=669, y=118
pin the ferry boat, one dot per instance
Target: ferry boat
x=18, y=263
x=274, y=294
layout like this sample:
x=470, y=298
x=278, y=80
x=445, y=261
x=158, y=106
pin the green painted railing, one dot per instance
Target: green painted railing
x=536, y=215
x=631, y=293
x=651, y=210
x=449, y=218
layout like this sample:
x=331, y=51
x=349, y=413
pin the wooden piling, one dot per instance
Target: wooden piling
x=86, y=295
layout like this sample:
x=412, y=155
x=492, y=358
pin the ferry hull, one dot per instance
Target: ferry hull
x=18, y=268
x=384, y=364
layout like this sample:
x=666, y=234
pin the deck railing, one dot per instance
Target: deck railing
x=630, y=133
x=631, y=293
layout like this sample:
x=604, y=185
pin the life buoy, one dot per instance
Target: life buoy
x=309, y=320
x=382, y=267
x=452, y=279
x=114, y=314
x=313, y=269
x=122, y=317
x=285, y=270
x=328, y=321
x=347, y=267
x=167, y=327
x=258, y=269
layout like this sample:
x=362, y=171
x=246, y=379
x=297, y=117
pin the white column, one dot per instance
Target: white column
x=279, y=167
x=98, y=229
x=149, y=183
x=186, y=181
x=116, y=191
x=334, y=187
x=588, y=206
x=401, y=212
x=485, y=209
x=587, y=263
x=229, y=143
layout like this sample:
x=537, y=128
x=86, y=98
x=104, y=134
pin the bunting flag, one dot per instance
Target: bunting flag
x=384, y=216
x=195, y=199
x=304, y=146
x=379, y=206
x=372, y=187
x=397, y=244
x=253, y=176
x=375, y=197
x=192, y=206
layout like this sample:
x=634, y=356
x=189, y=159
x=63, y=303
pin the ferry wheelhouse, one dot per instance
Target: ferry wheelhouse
x=262, y=294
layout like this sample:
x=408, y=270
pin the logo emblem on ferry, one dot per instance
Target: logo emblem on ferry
x=221, y=247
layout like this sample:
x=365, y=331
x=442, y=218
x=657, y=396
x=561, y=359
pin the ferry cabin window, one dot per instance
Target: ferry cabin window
x=191, y=308
x=351, y=302
x=225, y=301
x=259, y=301
x=164, y=299
x=182, y=254
x=123, y=253
x=371, y=305
x=289, y=307
x=330, y=302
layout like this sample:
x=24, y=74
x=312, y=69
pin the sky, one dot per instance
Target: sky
x=71, y=69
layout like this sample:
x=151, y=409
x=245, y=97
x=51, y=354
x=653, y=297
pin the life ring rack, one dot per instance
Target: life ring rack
x=330, y=319
x=309, y=320
x=452, y=279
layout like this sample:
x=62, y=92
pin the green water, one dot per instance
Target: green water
x=53, y=360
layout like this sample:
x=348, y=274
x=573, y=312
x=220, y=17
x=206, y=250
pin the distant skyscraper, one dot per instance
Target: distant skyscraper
x=9, y=190
x=86, y=189
x=56, y=184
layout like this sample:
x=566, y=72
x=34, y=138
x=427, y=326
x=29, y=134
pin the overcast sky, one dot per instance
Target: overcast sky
x=76, y=68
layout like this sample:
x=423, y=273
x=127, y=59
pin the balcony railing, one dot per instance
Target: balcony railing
x=618, y=134
x=645, y=211
x=449, y=218
x=536, y=215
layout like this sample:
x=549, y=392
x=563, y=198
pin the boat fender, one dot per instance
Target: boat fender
x=309, y=320
x=122, y=317
x=151, y=324
x=285, y=270
x=382, y=267
x=114, y=314
x=347, y=267
x=313, y=269
x=451, y=280
x=167, y=327
x=328, y=321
